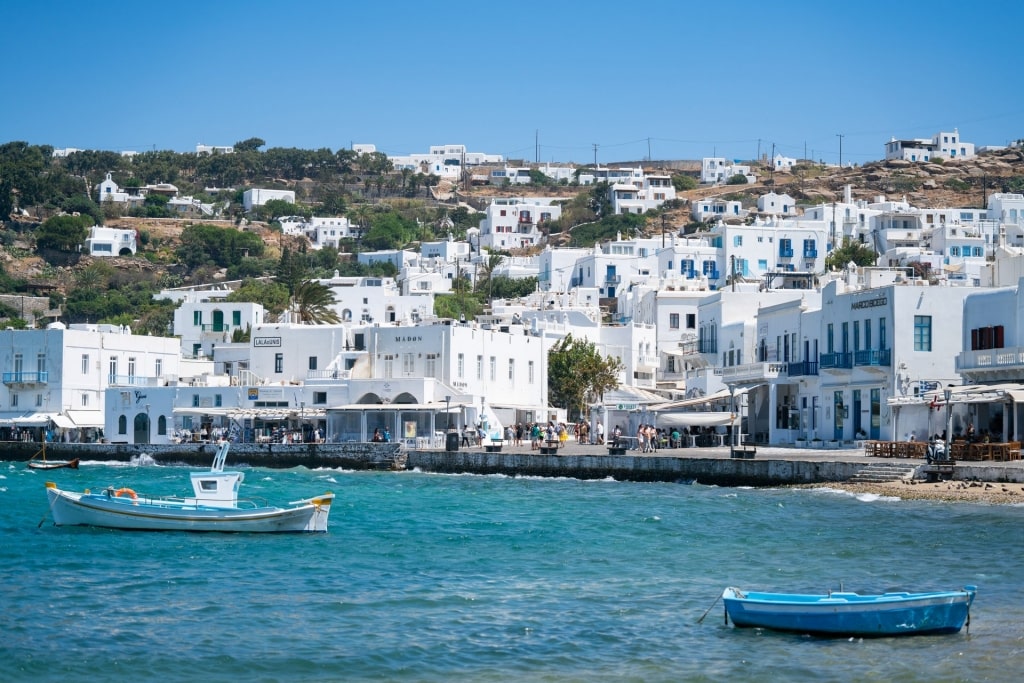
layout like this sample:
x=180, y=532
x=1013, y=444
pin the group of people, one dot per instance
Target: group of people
x=381, y=436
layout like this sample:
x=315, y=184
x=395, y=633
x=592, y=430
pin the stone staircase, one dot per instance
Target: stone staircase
x=879, y=472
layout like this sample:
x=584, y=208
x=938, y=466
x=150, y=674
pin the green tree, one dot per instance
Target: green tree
x=683, y=182
x=852, y=250
x=249, y=145
x=272, y=295
x=292, y=269
x=578, y=375
x=63, y=233
x=738, y=179
x=223, y=247
x=313, y=303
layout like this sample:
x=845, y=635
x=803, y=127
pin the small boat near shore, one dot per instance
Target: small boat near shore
x=851, y=614
x=214, y=506
x=39, y=462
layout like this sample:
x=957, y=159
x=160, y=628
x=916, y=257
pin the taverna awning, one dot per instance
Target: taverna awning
x=972, y=393
x=693, y=419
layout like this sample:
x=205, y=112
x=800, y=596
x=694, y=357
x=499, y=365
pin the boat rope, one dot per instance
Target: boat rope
x=709, y=609
x=49, y=511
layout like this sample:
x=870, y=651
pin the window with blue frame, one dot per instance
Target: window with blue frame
x=979, y=251
x=922, y=333
x=810, y=249
x=954, y=251
x=785, y=247
x=762, y=264
x=708, y=268
x=686, y=267
x=737, y=240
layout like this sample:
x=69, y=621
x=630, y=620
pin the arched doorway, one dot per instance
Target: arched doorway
x=141, y=428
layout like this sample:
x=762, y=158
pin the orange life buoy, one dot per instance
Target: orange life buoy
x=126, y=492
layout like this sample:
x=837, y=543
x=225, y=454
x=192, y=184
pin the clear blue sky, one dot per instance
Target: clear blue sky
x=695, y=79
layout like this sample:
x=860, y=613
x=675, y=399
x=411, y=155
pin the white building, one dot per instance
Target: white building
x=104, y=241
x=520, y=175
x=108, y=191
x=258, y=197
x=715, y=170
x=944, y=145
x=777, y=204
x=445, y=161
x=321, y=231
x=783, y=163
x=202, y=149
x=654, y=191
x=714, y=208
x=57, y=378
x=515, y=222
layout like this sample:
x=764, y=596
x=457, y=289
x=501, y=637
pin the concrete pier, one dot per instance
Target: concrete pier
x=772, y=466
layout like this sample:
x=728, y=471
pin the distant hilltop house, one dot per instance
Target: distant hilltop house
x=520, y=175
x=258, y=197
x=714, y=170
x=109, y=191
x=202, y=149
x=781, y=163
x=321, y=231
x=943, y=145
x=515, y=222
x=776, y=204
x=444, y=161
x=640, y=197
x=191, y=208
x=104, y=241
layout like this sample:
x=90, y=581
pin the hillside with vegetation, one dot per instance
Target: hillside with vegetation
x=48, y=206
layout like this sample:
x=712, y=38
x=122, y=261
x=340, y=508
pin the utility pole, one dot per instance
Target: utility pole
x=805, y=149
x=595, y=155
x=648, y=149
x=840, y=136
x=759, y=149
x=771, y=162
x=536, y=146
x=663, y=217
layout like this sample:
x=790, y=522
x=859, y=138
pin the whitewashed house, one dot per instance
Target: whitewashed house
x=515, y=222
x=258, y=197
x=777, y=204
x=943, y=145
x=655, y=191
x=103, y=241
x=109, y=191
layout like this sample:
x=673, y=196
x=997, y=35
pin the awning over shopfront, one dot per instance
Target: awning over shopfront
x=696, y=401
x=693, y=419
x=86, y=418
x=25, y=419
x=63, y=421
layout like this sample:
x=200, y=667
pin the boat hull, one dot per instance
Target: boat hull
x=53, y=464
x=851, y=614
x=143, y=514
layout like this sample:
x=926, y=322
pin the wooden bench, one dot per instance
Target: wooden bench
x=549, y=447
x=494, y=446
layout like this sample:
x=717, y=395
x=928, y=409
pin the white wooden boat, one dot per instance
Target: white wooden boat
x=214, y=506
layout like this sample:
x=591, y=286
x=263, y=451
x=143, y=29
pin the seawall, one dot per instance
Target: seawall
x=706, y=466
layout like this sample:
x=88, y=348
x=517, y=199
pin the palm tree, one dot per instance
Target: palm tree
x=313, y=304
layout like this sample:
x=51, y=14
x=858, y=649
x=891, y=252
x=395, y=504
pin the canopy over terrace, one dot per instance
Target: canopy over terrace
x=408, y=422
x=994, y=408
x=246, y=423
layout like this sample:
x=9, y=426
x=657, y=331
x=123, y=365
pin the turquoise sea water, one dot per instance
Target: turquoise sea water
x=467, y=578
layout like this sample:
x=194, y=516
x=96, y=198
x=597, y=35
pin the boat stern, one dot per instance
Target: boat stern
x=321, y=511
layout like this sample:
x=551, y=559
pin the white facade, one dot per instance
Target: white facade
x=514, y=223
x=368, y=300
x=203, y=323
x=777, y=204
x=58, y=377
x=111, y=241
x=202, y=149
x=717, y=209
x=781, y=163
x=321, y=231
x=655, y=191
x=715, y=170
x=108, y=191
x=520, y=175
x=445, y=161
x=944, y=145
x=258, y=197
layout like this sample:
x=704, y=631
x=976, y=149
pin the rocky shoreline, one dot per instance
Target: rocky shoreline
x=993, y=493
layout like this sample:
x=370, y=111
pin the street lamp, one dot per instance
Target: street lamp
x=447, y=411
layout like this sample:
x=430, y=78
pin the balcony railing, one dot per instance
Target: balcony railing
x=801, y=368
x=612, y=279
x=1009, y=358
x=26, y=377
x=785, y=253
x=222, y=327
x=836, y=360
x=876, y=357
x=810, y=253
x=132, y=381
x=752, y=372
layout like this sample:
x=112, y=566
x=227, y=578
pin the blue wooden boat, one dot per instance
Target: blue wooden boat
x=851, y=614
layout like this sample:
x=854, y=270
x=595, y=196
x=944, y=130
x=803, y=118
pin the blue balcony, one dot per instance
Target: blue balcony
x=810, y=253
x=801, y=368
x=836, y=361
x=785, y=252
x=712, y=274
x=26, y=377
x=877, y=358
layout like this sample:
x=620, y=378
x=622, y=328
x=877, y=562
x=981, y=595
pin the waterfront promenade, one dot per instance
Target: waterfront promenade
x=771, y=466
